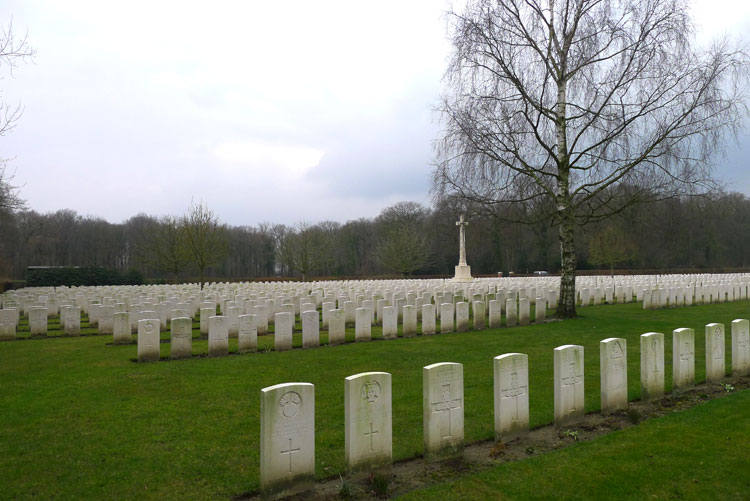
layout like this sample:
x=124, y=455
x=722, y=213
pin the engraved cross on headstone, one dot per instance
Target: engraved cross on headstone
x=514, y=391
x=290, y=451
x=370, y=434
x=743, y=343
x=718, y=345
x=571, y=384
x=461, y=223
x=685, y=358
x=655, y=354
x=447, y=405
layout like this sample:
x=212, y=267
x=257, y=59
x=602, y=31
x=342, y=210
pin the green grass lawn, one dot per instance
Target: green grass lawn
x=700, y=453
x=80, y=419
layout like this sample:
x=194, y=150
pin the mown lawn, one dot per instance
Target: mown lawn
x=80, y=419
x=700, y=453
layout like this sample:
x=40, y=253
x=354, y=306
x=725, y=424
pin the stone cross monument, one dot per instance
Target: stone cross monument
x=463, y=270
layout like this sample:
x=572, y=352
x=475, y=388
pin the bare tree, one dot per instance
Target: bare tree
x=13, y=50
x=162, y=245
x=10, y=199
x=307, y=249
x=609, y=247
x=205, y=237
x=566, y=101
x=404, y=246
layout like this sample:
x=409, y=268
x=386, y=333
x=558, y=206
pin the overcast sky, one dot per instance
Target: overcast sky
x=267, y=111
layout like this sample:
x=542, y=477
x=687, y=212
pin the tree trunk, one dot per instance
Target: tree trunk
x=566, y=305
x=201, y=272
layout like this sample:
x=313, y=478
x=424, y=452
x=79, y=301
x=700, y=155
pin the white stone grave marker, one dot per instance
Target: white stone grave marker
x=181, y=345
x=740, y=347
x=362, y=331
x=148, y=340
x=652, y=366
x=284, y=322
x=428, y=319
x=368, y=432
x=310, y=329
x=443, y=408
x=287, y=437
x=568, y=384
x=715, y=362
x=511, y=396
x=683, y=358
x=247, y=337
x=218, y=336
x=613, y=356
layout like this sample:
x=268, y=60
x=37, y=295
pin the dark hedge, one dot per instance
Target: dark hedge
x=53, y=277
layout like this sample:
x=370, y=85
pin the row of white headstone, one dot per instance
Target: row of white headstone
x=453, y=314
x=287, y=426
x=603, y=289
x=247, y=327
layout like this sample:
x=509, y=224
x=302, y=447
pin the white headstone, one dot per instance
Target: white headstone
x=148, y=340
x=310, y=329
x=182, y=338
x=336, y=327
x=511, y=396
x=715, y=362
x=462, y=316
x=428, y=319
x=524, y=311
x=390, y=322
x=261, y=318
x=540, y=311
x=233, y=320
x=652, y=366
x=613, y=356
x=568, y=384
x=446, y=317
x=511, y=312
x=367, y=410
x=287, y=438
x=284, y=322
x=495, y=314
x=205, y=314
x=218, y=336
x=362, y=325
x=38, y=321
x=247, y=338
x=72, y=320
x=740, y=347
x=443, y=408
x=106, y=319
x=121, y=328
x=478, y=315
x=683, y=358
x=410, y=320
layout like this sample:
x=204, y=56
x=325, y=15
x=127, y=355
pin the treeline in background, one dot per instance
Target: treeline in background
x=407, y=238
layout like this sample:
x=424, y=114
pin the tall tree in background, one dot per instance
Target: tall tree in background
x=609, y=247
x=163, y=245
x=307, y=249
x=404, y=246
x=584, y=107
x=13, y=50
x=205, y=238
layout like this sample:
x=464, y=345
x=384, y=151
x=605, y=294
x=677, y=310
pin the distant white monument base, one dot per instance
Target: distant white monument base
x=463, y=273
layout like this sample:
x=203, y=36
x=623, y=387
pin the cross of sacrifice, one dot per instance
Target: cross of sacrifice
x=461, y=223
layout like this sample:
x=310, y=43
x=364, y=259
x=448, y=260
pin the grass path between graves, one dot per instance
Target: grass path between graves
x=79, y=419
x=700, y=453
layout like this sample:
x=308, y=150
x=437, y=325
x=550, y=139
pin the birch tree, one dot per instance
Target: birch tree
x=582, y=106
